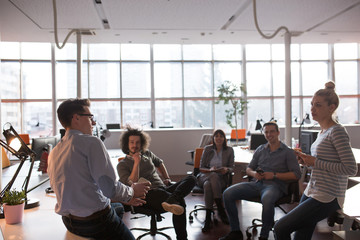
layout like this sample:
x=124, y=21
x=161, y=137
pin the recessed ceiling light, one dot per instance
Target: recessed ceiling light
x=154, y=33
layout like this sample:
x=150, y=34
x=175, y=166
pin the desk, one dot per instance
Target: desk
x=351, y=205
x=351, y=209
x=242, y=155
x=115, y=154
x=242, y=159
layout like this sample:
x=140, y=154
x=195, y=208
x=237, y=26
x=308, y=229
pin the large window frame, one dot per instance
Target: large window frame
x=195, y=78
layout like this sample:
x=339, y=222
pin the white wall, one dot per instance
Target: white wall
x=171, y=145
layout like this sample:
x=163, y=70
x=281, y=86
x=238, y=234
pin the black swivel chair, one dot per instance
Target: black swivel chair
x=293, y=196
x=155, y=217
x=206, y=139
x=199, y=190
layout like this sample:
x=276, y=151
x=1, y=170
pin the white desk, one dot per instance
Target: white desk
x=351, y=207
x=242, y=155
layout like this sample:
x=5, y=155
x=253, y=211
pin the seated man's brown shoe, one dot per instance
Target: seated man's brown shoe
x=173, y=206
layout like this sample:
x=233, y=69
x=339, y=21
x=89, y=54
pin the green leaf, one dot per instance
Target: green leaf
x=227, y=94
x=13, y=197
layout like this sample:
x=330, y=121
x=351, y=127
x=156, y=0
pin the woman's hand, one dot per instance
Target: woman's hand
x=305, y=159
x=223, y=170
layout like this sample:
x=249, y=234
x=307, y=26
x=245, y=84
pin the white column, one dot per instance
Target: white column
x=287, y=38
x=78, y=62
x=53, y=88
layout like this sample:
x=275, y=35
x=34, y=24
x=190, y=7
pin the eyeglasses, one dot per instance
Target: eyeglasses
x=91, y=116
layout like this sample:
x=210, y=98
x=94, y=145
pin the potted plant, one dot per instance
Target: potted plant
x=227, y=93
x=13, y=204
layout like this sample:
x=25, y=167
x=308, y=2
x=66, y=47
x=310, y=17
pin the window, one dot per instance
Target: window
x=182, y=89
x=197, y=80
x=104, y=80
x=168, y=80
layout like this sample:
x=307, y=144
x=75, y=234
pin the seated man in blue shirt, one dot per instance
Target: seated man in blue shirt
x=272, y=165
x=84, y=181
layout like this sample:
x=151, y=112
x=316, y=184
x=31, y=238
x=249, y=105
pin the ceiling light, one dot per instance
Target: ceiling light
x=101, y=13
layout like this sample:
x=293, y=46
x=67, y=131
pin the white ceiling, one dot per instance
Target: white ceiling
x=182, y=21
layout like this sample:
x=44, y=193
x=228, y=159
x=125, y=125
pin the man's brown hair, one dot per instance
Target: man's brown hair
x=124, y=140
x=70, y=107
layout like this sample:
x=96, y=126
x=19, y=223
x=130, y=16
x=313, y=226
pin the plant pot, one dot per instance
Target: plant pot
x=13, y=213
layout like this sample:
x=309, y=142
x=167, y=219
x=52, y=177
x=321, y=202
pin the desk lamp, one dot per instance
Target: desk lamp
x=18, y=148
x=258, y=125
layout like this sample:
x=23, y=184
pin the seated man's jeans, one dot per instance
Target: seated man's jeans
x=269, y=194
x=303, y=219
x=108, y=226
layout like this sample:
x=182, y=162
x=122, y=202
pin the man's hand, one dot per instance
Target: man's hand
x=137, y=157
x=259, y=175
x=141, y=189
x=167, y=182
x=136, y=202
x=264, y=176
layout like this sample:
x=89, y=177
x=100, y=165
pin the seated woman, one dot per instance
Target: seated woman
x=217, y=160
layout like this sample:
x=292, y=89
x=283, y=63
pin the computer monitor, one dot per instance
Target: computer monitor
x=38, y=144
x=307, y=138
x=113, y=126
x=256, y=140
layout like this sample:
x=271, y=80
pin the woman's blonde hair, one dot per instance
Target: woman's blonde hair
x=329, y=94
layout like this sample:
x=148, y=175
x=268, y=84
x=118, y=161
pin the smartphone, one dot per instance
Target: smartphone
x=260, y=171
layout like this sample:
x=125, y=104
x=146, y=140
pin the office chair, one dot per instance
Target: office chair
x=292, y=197
x=199, y=190
x=206, y=139
x=155, y=216
x=241, y=135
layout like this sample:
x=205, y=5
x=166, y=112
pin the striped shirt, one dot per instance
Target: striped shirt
x=334, y=162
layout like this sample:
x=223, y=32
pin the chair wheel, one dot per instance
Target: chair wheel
x=216, y=221
x=248, y=235
x=191, y=219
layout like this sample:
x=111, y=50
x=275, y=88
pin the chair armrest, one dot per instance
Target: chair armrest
x=191, y=163
x=293, y=190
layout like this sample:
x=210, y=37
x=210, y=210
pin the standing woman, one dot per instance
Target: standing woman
x=331, y=160
x=216, y=162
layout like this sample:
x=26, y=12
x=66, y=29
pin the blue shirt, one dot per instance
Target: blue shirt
x=82, y=176
x=281, y=160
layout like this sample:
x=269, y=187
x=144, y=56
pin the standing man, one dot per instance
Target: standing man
x=272, y=165
x=141, y=164
x=84, y=180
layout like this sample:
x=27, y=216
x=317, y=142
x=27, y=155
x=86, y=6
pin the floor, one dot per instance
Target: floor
x=42, y=222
